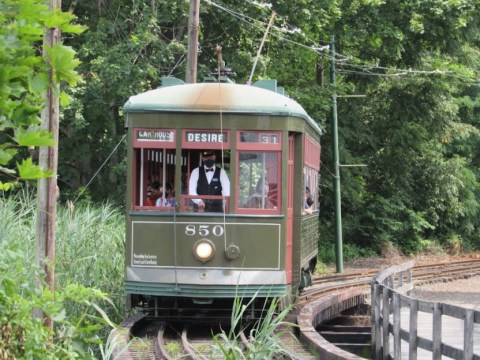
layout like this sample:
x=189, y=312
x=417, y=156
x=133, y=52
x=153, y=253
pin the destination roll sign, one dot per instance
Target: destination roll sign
x=156, y=135
x=206, y=137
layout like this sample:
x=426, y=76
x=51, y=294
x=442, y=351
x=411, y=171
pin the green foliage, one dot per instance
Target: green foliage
x=90, y=239
x=351, y=251
x=89, y=245
x=415, y=185
x=76, y=333
x=28, y=170
x=24, y=80
x=264, y=337
x=62, y=59
x=415, y=133
x=32, y=136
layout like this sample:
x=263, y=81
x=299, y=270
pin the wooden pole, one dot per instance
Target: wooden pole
x=47, y=188
x=192, y=54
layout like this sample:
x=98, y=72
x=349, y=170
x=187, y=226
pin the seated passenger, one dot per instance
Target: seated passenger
x=260, y=200
x=209, y=179
x=153, y=193
x=169, y=198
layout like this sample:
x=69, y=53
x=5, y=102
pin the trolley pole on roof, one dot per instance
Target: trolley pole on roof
x=192, y=54
x=336, y=164
x=249, y=82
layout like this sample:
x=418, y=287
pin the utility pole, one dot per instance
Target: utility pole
x=192, y=54
x=336, y=165
x=47, y=187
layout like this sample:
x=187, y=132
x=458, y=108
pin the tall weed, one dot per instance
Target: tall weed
x=263, y=338
x=88, y=265
x=90, y=250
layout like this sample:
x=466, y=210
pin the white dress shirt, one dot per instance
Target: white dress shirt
x=192, y=188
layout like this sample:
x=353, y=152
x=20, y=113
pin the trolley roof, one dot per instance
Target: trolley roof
x=217, y=97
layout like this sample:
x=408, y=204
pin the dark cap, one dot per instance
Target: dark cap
x=208, y=152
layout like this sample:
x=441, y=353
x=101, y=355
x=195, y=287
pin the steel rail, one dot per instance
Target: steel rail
x=324, y=286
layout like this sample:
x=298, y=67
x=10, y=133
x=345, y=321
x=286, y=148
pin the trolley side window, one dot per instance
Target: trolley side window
x=311, y=169
x=259, y=172
x=154, y=169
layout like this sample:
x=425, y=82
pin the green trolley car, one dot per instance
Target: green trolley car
x=257, y=241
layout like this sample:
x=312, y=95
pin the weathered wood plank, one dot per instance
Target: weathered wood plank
x=428, y=329
x=413, y=340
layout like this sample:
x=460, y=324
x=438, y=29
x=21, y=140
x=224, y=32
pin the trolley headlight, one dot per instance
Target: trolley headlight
x=204, y=250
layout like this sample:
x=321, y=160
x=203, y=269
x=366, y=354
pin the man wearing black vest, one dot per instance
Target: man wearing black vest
x=209, y=179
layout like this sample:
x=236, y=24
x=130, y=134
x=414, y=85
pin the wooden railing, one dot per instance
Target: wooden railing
x=389, y=295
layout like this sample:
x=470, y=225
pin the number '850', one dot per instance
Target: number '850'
x=204, y=230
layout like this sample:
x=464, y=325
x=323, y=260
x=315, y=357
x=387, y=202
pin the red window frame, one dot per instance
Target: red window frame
x=274, y=145
x=152, y=141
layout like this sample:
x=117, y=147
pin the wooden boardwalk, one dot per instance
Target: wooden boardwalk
x=438, y=325
x=452, y=332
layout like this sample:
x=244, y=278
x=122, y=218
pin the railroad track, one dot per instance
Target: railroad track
x=161, y=340
x=155, y=339
x=427, y=273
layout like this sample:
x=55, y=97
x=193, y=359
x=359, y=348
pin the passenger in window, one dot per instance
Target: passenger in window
x=184, y=184
x=169, y=198
x=260, y=200
x=308, y=202
x=209, y=179
x=153, y=193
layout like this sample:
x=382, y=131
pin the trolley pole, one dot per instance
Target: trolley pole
x=336, y=165
x=192, y=54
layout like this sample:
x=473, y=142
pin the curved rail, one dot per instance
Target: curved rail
x=320, y=311
x=346, y=288
x=321, y=302
x=162, y=352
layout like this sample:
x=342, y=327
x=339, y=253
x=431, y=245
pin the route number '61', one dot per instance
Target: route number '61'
x=204, y=230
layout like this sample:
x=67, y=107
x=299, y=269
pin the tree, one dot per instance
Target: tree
x=24, y=79
x=416, y=130
x=416, y=186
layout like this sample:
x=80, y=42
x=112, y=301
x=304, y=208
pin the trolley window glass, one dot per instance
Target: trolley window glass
x=259, y=172
x=311, y=169
x=154, y=162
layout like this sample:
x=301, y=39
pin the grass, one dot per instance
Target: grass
x=89, y=251
x=174, y=348
x=322, y=269
x=264, y=337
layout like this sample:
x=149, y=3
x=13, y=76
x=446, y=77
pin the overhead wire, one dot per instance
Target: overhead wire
x=100, y=168
x=363, y=68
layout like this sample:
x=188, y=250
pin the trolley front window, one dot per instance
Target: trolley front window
x=214, y=191
x=259, y=172
x=154, y=163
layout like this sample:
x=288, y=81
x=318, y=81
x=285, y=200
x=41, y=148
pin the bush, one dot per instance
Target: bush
x=89, y=245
